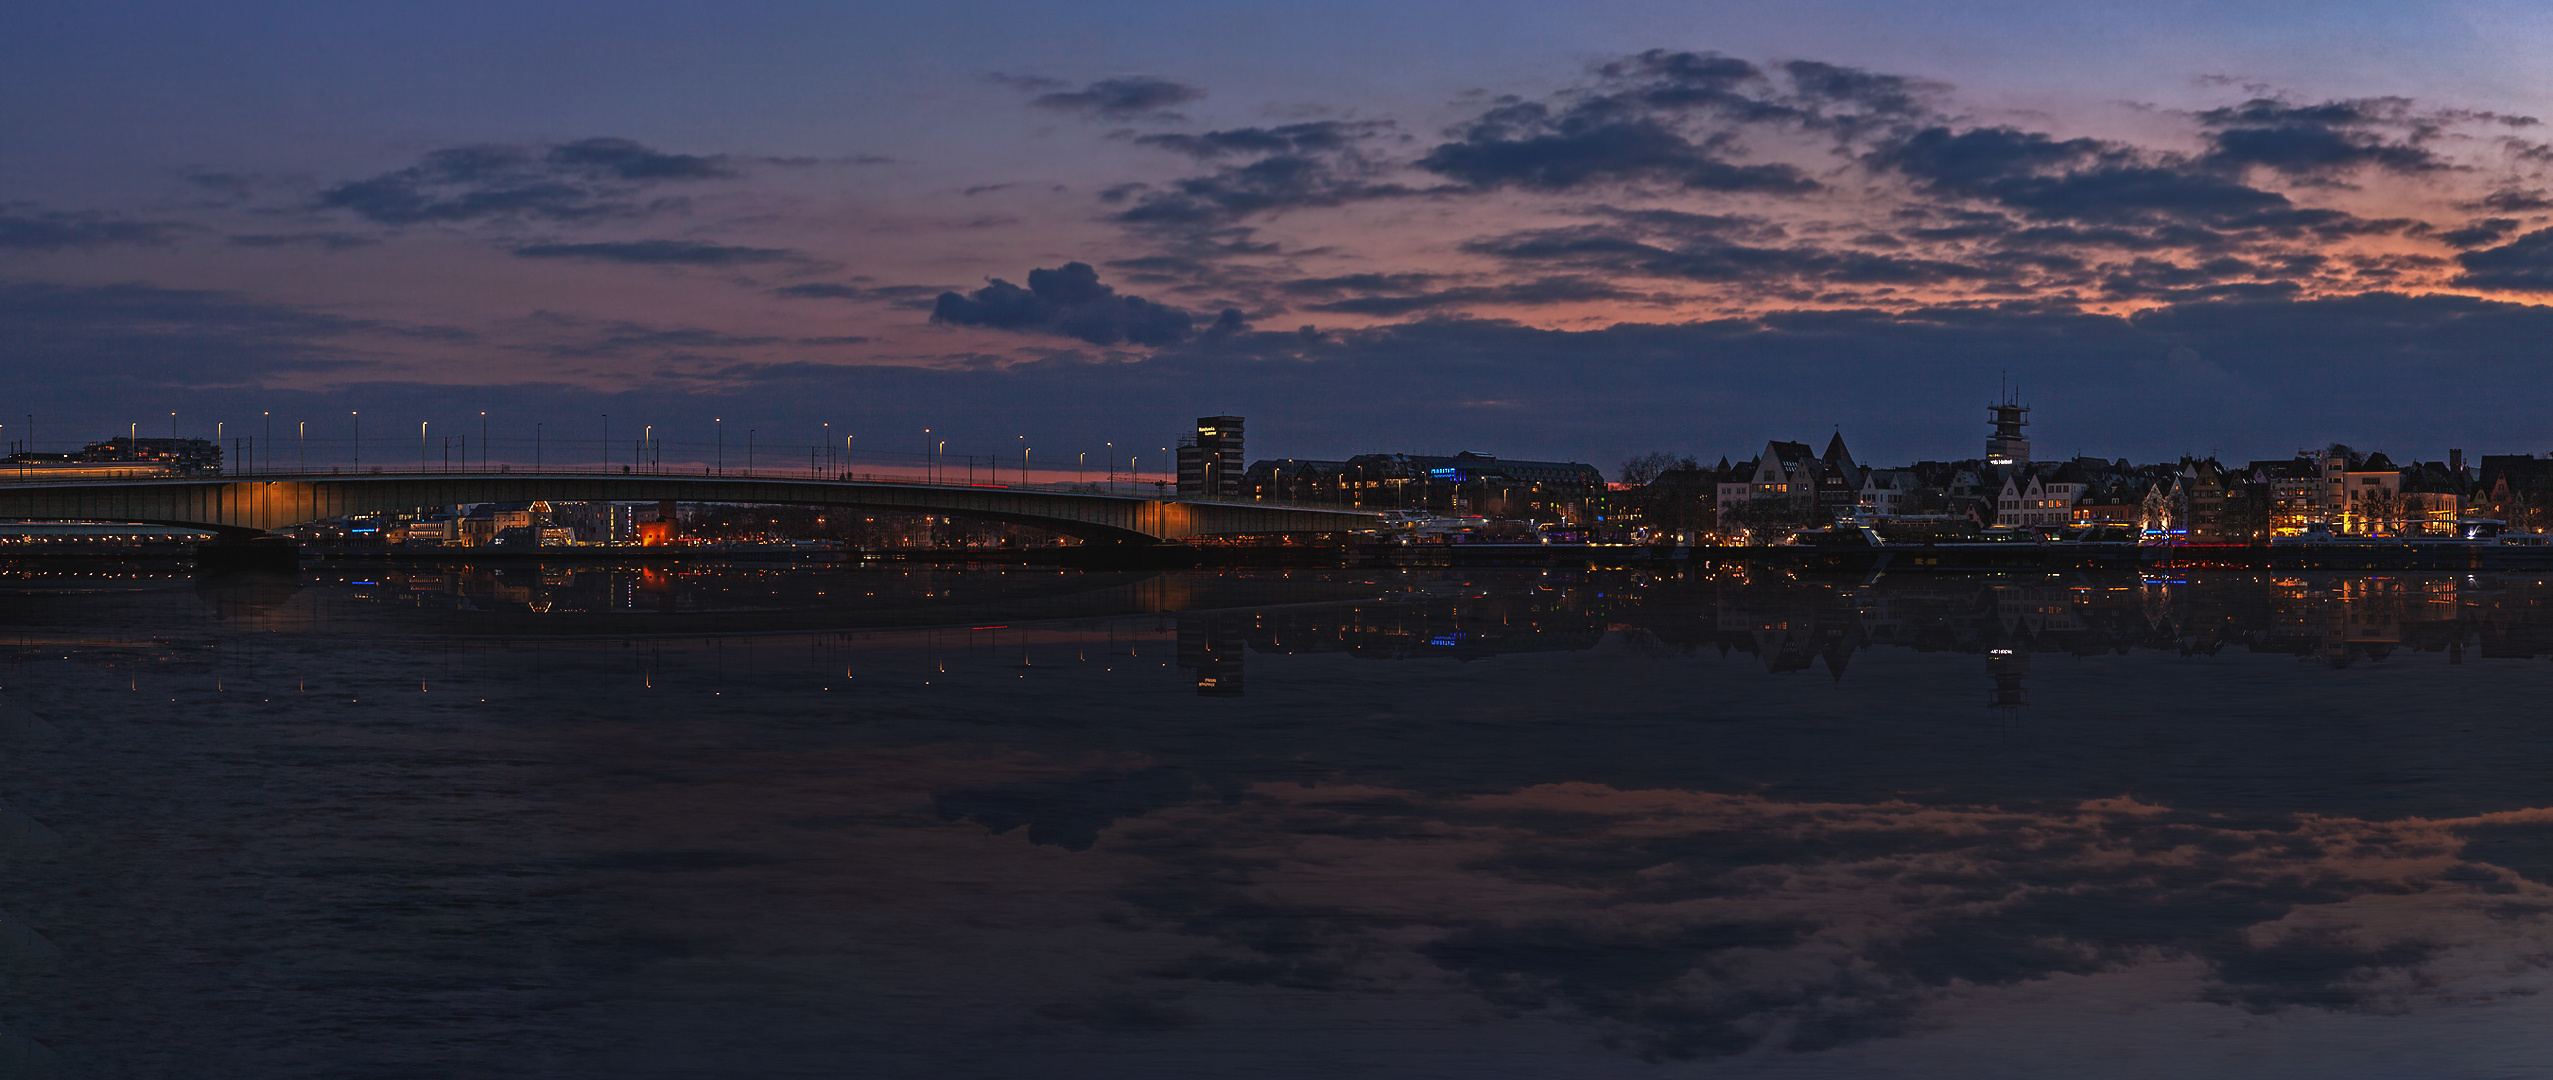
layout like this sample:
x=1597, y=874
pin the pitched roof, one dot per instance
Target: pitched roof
x=1835, y=451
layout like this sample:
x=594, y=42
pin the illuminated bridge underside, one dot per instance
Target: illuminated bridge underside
x=241, y=506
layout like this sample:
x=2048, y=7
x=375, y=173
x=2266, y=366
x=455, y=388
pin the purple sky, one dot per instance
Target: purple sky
x=1520, y=229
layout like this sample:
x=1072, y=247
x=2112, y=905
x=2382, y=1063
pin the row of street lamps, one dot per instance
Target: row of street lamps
x=646, y=452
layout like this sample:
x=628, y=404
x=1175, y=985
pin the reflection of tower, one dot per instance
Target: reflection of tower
x=2006, y=667
x=1210, y=645
x=2008, y=446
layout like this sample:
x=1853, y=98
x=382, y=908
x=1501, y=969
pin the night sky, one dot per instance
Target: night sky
x=1575, y=231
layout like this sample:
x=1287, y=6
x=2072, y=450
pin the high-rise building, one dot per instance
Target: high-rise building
x=1210, y=464
x=2008, y=446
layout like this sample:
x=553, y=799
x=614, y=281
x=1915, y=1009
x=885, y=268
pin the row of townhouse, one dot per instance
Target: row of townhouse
x=1788, y=485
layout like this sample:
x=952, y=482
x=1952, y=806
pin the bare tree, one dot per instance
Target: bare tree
x=2383, y=510
x=2250, y=513
x=1646, y=467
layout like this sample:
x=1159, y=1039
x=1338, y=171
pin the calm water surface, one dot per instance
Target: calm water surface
x=748, y=822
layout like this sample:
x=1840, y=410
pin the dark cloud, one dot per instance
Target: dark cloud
x=1070, y=300
x=1368, y=283
x=2321, y=142
x=1551, y=290
x=2514, y=201
x=1525, y=145
x=1872, y=93
x=2479, y=232
x=1619, y=251
x=1300, y=165
x=2521, y=265
x=1672, y=119
x=583, y=180
x=1125, y=98
x=628, y=160
x=324, y=241
x=56, y=230
x=661, y=252
x=2090, y=180
x=1314, y=137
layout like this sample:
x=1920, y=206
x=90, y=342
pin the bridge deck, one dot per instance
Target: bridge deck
x=256, y=504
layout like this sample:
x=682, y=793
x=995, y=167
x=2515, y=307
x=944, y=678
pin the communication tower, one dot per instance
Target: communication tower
x=2008, y=446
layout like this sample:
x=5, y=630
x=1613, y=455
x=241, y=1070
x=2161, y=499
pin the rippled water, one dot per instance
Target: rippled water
x=740, y=821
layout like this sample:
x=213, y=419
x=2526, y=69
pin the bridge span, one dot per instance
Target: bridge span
x=246, y=506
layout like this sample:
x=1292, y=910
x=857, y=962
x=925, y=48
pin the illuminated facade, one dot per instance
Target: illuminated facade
x=1210, y=461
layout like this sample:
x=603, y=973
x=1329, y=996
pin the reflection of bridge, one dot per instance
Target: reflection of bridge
x=251, y=505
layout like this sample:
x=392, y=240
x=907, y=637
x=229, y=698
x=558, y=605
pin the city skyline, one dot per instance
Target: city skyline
x=2181, y=230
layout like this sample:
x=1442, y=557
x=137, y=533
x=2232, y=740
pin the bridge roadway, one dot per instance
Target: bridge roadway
x=246, y=506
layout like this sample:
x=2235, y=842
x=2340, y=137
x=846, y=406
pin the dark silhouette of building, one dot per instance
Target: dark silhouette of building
x=2008, y=446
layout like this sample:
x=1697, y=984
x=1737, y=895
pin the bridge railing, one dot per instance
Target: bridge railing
x=13, y=475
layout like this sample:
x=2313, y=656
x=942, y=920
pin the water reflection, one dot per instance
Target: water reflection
x=1520, y=824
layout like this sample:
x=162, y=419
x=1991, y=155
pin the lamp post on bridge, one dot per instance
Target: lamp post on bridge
x=483, y=442
x=607, y=442
x=749, y=451
x=720, y=423
x=358, y=439
x=266, y=443
x=421, y=446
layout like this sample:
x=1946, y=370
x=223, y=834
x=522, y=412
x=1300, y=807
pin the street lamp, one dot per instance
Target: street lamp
x=483, y=443
x=720, y=423
x=607, y=442
x=265, y=443
x=358, y=439
x=421, y=446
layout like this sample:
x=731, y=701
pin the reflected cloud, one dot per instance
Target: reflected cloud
x=1682, y=924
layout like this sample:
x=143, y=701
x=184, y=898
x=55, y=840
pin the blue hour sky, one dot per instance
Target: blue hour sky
x=1579, y=231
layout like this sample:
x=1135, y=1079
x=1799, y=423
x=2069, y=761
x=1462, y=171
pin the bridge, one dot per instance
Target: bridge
x=253, y=505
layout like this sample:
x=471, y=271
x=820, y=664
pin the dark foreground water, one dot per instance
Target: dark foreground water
x=885, y=823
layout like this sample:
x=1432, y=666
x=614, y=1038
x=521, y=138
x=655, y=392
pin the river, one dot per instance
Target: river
x=762, y=821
